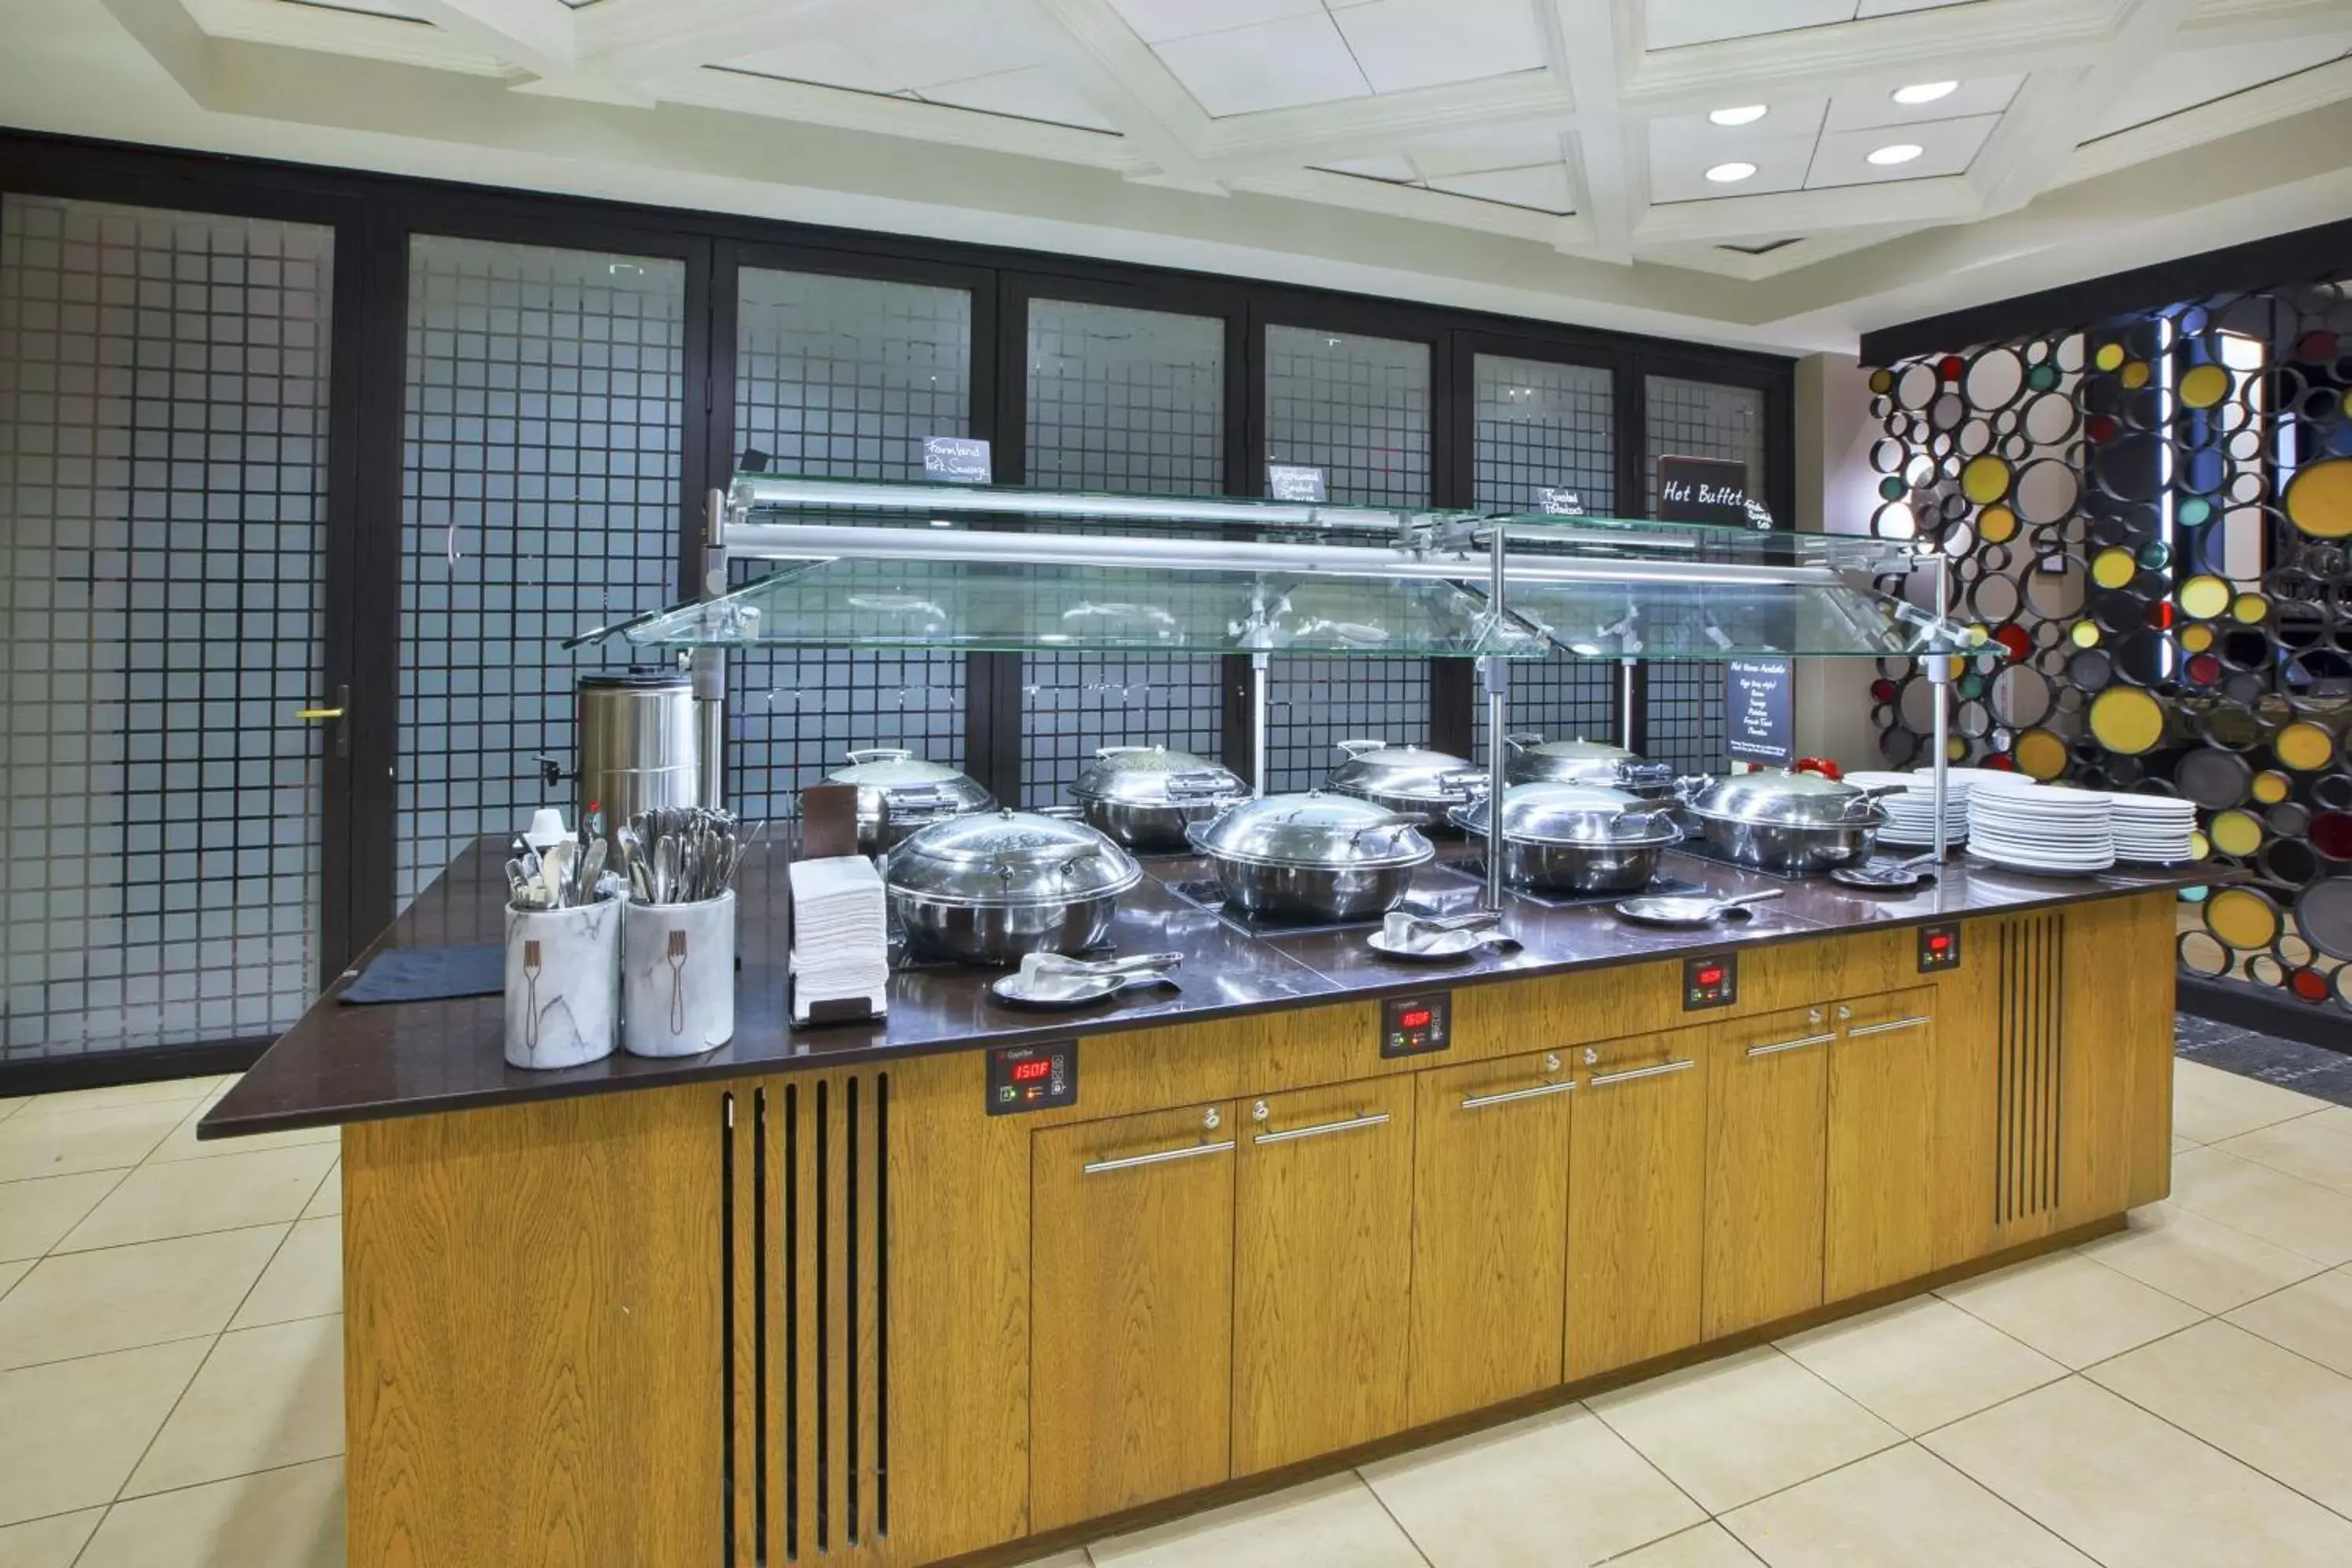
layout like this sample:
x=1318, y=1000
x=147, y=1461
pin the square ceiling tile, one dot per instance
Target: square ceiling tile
x=1980, y=95
x=1688, y=136
x=1034, y=93
x=939, y=43
x=827, y=62
x=1274, y=65
x=1946, y=146
x=1391, y=167
x=1157, y=21
x=1544, y=188
x=1680, y=174
x=1671, y=23
x=1405, y=44
x=1894, y=7
x=2181, y=81
x=1475, y=151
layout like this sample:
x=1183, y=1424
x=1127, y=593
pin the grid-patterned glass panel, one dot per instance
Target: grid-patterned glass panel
x=162, y=479
x=544, y=406
x=1537, y=425
x=1132, y=401
x=842, y=378
x=1695, y=419
x=1357, y=407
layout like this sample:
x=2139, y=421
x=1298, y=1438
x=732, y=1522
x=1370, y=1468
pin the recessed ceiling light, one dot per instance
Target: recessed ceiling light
x=1729, y=173
x=1901, y=152
x=1745, y=114
x=1925, y=91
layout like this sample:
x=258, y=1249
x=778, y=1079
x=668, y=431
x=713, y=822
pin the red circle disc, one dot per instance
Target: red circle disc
x=2003, y=761
x=2099, y=428
x=1881, y=690
x=1950, y=367
x=2309, y=984
x=2316, y=347
x=2016, y=639
x=2204, y=669
x=2331, y=834
x=2159, y=614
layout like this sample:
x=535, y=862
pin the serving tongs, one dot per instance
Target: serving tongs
x=1052, y=980
x=1405, y=934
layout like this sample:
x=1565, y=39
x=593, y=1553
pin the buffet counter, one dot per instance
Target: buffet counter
x=899, y=1292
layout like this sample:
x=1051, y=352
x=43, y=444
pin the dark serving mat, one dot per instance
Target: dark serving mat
x=429, y=975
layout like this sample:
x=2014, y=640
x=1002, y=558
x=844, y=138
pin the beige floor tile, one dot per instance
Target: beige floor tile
x=1729, y=1431
x=71, y=1432
x=2200, y=1261
x=1333, y=1521
x=266, y=1398
x=2288, y=1417
x=2135, y=1491
x=51, y=1542
x=2313, y=1319
x=178, y=1091
x=183, y=1144
x=10, y=1107
x=2179, y=1144
x=1707, y=1545
x=1074, y=1558
x=226, y=1194
x=2071, y=1308
x=304, y=1280
x=11, y=1272
x=34, y=1215
x=329, y=1198
x=286, y=1519
x=1921, y=1362
x=2280, y=1209
x=34, y=1142
x=1904, y=1507
x=2316, y=1148
x=81, y=1303
x=2209, y=1104
x=1552, y=1490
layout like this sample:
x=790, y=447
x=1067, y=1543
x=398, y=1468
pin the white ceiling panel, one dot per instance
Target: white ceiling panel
x=942, y=41
x=1686, y=136
x=367, y=8
x=1034, y=93
x=1780, y=164
x=1945, y=147
x=1473, y=151
x=1983, y=95
x=1392, y=166
x=1894, y=7
x=2183, y=81
x=828, y=62
x=1543, y=187
x=1157, y=21
x=1674, y=24
x=1274, y=65
x=1405, y=44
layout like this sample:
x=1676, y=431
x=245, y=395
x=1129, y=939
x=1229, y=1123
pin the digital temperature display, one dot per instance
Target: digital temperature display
x=1032, y=1077
x=1416, y=1019
x=1710, y=981
x=1411, y=1026
x=1939, y=948
x=1029, y=1072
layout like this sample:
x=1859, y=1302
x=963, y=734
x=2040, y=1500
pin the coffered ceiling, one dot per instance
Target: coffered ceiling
x=1784, y=171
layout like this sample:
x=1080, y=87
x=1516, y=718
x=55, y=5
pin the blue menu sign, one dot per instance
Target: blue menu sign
x=956, y=460
x=1759, y=724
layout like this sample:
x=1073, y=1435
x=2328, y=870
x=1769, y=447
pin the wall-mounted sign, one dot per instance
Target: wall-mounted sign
x=1286, y=481
x=956, y=460
x=1708, y=490
x=1559, y=503
x=1758, y=718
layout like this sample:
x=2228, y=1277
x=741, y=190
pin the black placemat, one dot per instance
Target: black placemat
x=430, y=974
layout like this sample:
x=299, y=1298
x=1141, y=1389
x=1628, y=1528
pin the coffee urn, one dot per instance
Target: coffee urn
x=640, y=744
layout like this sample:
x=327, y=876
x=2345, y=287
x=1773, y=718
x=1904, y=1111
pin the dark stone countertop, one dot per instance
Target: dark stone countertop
x=341, y=1064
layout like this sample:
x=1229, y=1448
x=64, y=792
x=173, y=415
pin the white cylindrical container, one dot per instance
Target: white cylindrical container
x=564, y=988
x=678, y=977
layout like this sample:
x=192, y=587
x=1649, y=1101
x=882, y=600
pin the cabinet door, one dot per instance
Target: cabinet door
x=1490, y=1232
x=1881, y=1219
x=1131, y=1251
x=1637, y=1195
x=1323, y=1264
x=1766, y=1149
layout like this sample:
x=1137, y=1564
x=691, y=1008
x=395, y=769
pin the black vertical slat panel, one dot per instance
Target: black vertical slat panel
x=852, y=1414
x=822, y=1437
x=728, y=1477
x=882, y=1304
x=790, y=1274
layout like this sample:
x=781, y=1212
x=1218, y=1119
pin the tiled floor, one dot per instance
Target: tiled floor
x=2180, y=1393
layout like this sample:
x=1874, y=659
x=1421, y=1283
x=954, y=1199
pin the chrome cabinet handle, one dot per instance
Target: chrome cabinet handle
x=1845, y=1010
x=1812, y=1015
x=1629, y=1074
x=1799, y=1044
x=1376, y=1118
x=1890, y=1026
x=1190, y=1152
x=1480, y=1102
x=1552, y=1061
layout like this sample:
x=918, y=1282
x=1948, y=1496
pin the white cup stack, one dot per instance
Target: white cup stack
x=2154, y=829
x=2026, y=826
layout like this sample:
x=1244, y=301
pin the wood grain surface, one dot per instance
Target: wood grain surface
x=1637, y=1204
x=1880, y=1223
x=1766, y=1149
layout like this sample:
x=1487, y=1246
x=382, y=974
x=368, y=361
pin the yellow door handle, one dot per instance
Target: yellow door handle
x=315, y=714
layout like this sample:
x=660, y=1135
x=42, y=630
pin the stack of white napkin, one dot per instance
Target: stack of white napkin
x=840, y=934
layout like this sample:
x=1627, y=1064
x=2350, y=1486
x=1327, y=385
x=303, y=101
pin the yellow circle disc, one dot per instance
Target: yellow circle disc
x=2204, y=387
x=2196, y=639
x=1955, y=750
x=1997, y=526
x=2205, y=598
x=2134, y=374
x=2237, y=832
x=1881, y=380
x=2040, y=755
x=2114, y=567
x=1985, y=479
x=2109, y=357
x=2127, y=719
x=2250, y=607
x=2199, y=845
x=2242, y=918
x=2304, y=746
x=2084, y=634
x=2270, y=786
x=2319, y=499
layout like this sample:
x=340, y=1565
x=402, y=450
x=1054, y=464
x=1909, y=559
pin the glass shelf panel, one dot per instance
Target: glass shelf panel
x=1722, y=620
x=994, y=607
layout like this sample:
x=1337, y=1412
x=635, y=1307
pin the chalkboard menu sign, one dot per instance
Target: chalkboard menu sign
x=1708, y=490
x=1289, y=481
x=1759, y=724
x=956, y=460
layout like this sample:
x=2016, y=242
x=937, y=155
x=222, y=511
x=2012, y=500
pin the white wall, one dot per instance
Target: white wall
x=1836, y=491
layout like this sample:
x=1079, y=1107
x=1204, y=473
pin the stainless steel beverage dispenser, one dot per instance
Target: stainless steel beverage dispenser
x=640, y=744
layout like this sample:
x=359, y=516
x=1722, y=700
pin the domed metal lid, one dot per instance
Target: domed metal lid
x=884, y=767
x=1314, y=829
x=1408, y=773
x=1154, y=776
x=1549, y=813
x=1789, y=800
x=1579, y=761
x=1009, y=858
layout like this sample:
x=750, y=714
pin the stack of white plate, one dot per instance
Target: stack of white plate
x=2154, y=827
x=2033, y=827
x=1911, y=816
